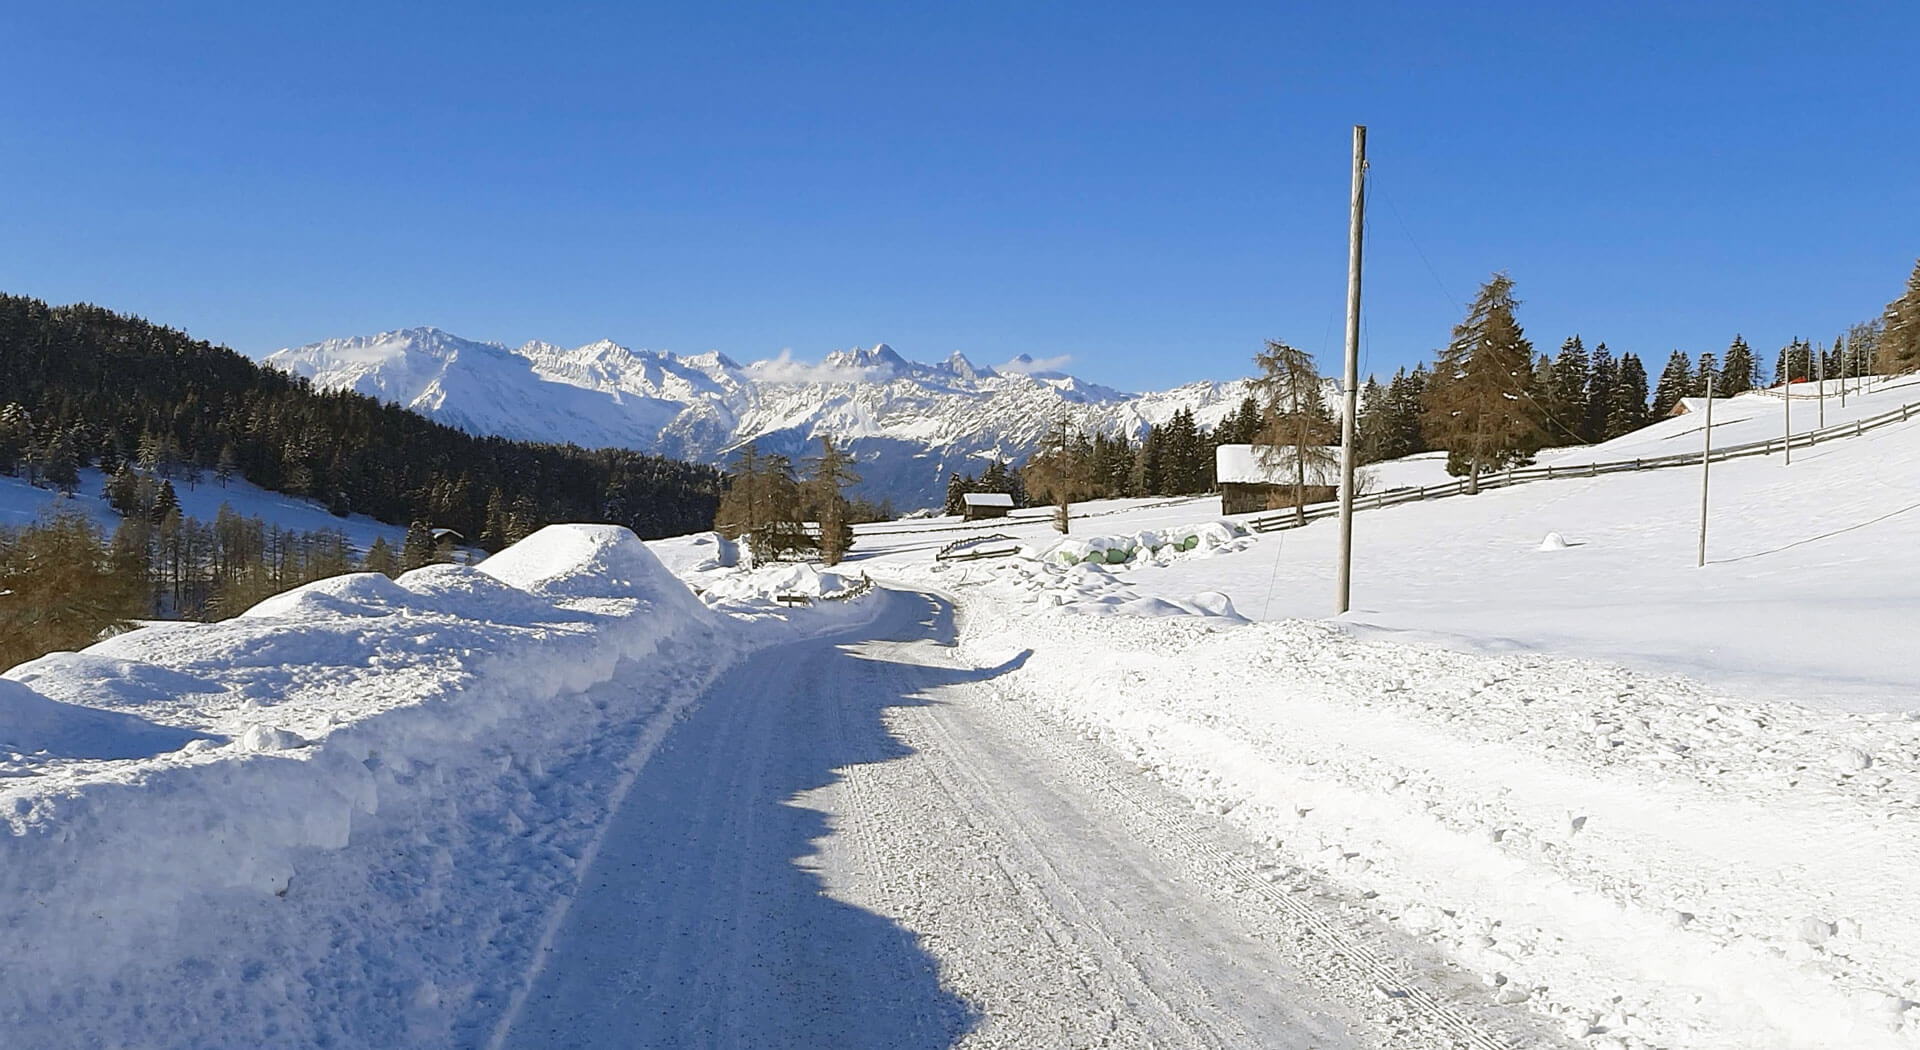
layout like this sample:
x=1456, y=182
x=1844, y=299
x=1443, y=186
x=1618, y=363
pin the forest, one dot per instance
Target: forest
x=82, y=386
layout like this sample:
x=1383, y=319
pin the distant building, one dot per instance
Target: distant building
x=977, y=505
x=1689, y=404
x=1260, y=477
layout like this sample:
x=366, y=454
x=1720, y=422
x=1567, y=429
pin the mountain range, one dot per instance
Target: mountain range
x=907, y=423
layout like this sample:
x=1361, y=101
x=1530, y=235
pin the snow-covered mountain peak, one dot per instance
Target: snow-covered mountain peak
x=909, y=423
x=881, y=359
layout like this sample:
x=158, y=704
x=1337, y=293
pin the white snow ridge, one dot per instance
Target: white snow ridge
x=328, y=821
x=909, y=423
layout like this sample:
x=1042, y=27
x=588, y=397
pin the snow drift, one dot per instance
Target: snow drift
x=339, y=818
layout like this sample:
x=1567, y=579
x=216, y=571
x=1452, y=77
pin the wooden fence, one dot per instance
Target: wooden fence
x=1288, y=519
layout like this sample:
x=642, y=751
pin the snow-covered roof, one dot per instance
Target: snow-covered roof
x=987, y=499
x=1272, y=465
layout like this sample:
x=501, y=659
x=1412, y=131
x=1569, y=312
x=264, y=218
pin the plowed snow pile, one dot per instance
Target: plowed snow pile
x=1651, y=863
x=338, y=818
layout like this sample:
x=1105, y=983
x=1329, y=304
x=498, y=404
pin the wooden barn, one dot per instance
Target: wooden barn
x=978, y=505
x=1260, y=477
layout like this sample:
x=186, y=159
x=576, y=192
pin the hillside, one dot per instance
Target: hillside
x=96, y=388
x=909, y=424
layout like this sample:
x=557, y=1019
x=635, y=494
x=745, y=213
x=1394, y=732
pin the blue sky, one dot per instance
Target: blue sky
x=1151, y=189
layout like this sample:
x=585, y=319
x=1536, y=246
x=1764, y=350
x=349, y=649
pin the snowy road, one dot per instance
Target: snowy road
x=858, y=842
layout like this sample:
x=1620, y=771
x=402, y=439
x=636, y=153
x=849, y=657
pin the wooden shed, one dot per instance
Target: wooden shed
x=1260, y=477
x=977, y=505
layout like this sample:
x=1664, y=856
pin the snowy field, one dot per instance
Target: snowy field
x=1128, y=788
x=21, y=504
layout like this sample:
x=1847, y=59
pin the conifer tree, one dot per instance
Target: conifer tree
x=1056, y=473
x=16, y=433
x=1740, y=372
x=956, y=502
x=1572, y=375
x=1627, y=408
x=381, y=559
x=1146, y=478
x=832, y=471
x=1405, y=395
x=1297, y=428
x=418, y=548
x=165, y=502
x=1600, y=380
x=60, y=589
x=1899, y=335
x=1709, y=369
x=1676, y=382
x=1477, y=404
x=1371, y=428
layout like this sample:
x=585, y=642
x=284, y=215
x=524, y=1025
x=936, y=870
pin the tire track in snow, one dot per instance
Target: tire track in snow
x=1245, y=878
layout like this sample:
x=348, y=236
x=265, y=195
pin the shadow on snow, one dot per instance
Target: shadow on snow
x=700, y=923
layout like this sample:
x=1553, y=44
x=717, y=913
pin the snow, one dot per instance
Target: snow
x=1545, y=777
x=909, y=424
x=1272, y=465
x=987, y=499
x=1658, y=805
x=21, y=504
x=331, y=819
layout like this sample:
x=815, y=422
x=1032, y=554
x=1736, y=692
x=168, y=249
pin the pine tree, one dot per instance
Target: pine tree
x=165, y=503
x=1146, y=478
x=1627, y=408
x=1406, y=392
x=1709, y=369
x=16, y=432
x=1740, y=372
x=1600, y=380
x=419, y=548
x=1476, y=404
x=1296, y=426
x=956, y=502
x=1899, y=336
x=229, y=462
x=381, y=559
x=60, y=465
x=1371, y=429
x=122, y=491
x=1572, y=376
x=1676, y=382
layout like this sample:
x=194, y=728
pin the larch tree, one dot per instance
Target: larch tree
x=830, y=474
x=1057, y=473
x=1899, y=335
x=1477, y=404
x=1297, y=430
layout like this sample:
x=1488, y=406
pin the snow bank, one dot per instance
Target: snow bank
x=1158, y=547
x=767, y=584
x=340, y=818
x=699, y=552
x=1649, y=863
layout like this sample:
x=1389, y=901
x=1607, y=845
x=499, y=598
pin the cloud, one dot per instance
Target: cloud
x=784, y=369
x=1025, y=365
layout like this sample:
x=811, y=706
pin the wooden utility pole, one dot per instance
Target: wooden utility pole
x=1786, y=398
x=1348, y=421
x=1820, y=376
x=1706, y=458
